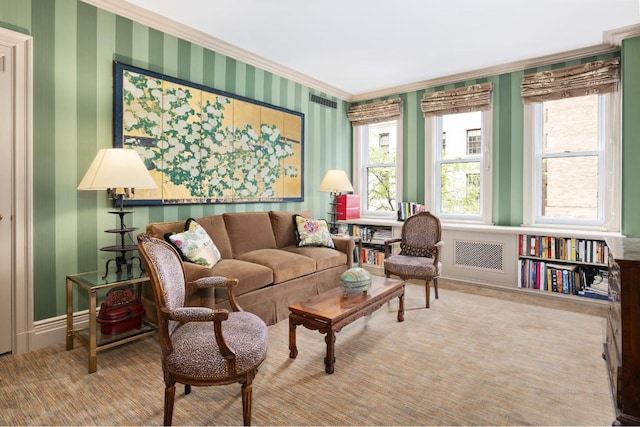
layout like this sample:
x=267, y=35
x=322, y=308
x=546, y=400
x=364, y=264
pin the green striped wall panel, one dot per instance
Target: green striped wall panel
x=75, y=45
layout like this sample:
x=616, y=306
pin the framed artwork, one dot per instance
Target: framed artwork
x=202, y=145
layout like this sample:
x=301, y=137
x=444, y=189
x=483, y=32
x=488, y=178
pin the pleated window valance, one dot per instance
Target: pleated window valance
x=585, y=79
x=475, y=97
x=376, y=112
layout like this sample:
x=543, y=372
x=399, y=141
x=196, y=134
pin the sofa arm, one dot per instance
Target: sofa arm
x=345, y=244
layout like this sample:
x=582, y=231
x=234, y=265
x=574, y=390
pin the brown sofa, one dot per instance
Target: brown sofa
x=260, y=250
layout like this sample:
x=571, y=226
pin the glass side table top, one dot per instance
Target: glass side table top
x=94, y=280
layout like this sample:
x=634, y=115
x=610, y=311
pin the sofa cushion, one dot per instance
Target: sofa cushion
x=160, y=229
x=249, y=231
x=284, y=227
x=285, y=265
x=250, y=276
x=195, y=245
x=312, y=232
x=214, y=226
x=324, y=257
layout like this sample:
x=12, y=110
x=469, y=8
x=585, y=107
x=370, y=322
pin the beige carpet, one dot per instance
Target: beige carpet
x=474, y=358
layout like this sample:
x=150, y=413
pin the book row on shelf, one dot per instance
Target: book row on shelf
x=372, y=256
x=582, y=280
x=563, y=248
x=370, y=233
x=406, y=209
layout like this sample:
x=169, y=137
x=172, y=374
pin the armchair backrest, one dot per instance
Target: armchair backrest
x=420, y=233
x=166, y=272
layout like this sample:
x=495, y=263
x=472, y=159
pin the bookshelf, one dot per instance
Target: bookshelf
x=372, y=233
x=563, y=265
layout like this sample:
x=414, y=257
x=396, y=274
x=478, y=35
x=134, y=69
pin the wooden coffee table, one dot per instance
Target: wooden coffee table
x=330, y=311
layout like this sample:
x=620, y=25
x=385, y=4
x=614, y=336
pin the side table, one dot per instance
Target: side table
x=91, y=337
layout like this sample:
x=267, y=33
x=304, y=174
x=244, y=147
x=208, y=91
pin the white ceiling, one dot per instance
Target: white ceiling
x=364, y=46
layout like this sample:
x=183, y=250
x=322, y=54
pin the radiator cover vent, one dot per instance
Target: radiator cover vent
x=323, y=101
x=481, y=255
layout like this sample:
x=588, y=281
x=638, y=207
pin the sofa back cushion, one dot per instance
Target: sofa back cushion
x=249, y=231
x=284, y=227
x=215, y=227
x=159, y=229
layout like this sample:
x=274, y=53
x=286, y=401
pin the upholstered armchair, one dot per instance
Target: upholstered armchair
x=420, y=247
x=200, y=346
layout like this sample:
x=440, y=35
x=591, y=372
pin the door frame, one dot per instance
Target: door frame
x=22, y=212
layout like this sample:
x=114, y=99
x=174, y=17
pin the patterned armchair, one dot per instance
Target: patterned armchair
x=420, y=247
x=200, y=346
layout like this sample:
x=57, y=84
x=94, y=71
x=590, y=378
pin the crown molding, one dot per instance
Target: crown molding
x=158, y=22
x=615, y=37
x=612, y=40
x=489, y=71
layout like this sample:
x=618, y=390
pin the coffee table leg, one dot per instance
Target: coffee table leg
x=293, y=349
x=330, y=360
x=401, y=308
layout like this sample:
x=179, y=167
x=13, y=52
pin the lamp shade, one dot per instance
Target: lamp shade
x=336, y=181
x=117, y=168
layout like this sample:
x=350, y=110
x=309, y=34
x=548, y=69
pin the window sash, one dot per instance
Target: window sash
x=360, y=163
x=540, y=156
x=441, y=162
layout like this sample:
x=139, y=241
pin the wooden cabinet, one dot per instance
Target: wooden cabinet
x=622, y=345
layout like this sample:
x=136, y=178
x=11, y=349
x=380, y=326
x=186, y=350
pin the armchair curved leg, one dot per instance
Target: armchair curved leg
x=435, y=286
x=169, y=397
x=247, y=387
x=187, y=388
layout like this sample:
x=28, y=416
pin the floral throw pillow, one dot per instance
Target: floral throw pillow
x=313, y=232
x=195, y=245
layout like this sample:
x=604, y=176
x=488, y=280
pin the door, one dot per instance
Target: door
x=6, y=192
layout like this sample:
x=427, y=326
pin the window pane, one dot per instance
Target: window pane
x=570, y=125
x=381, y=189
x=458, y=128
x=382, y=143
x=570, y=187
x=460, y=188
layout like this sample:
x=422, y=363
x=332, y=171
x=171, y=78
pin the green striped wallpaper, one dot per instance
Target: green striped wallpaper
x=507, y=141
x=75, y=45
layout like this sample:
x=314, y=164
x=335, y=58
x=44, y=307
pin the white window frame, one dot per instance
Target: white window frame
x=433, y=128
x=359, y=180
x=610, y=168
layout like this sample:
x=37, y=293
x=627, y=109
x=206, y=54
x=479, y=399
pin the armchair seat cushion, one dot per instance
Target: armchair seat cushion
x=196, y=353
x=411, y=266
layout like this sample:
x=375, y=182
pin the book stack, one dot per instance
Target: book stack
x=406, y=209
x=564, y=248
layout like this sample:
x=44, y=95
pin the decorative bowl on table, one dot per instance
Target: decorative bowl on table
x=355, y=280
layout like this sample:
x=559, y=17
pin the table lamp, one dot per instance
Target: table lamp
x=336, y=182
x=119, y=171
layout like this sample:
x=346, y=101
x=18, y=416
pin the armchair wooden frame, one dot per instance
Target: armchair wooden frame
x=421, y=232
x=169, y=319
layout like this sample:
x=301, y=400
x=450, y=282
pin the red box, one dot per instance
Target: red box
x=120, y=312
x=347, y=207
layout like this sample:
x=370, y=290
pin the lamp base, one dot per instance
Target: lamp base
x=121, y=261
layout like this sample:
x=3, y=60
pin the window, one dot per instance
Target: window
x=378, y=165
x=458, y=152
x=573, y=170
x=474, y=141
x=458, y=190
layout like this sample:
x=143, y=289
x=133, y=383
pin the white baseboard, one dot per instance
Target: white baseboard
x=53, y=331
